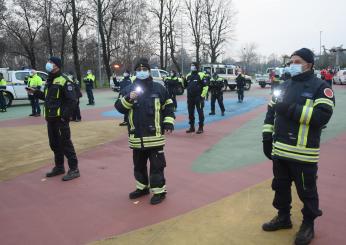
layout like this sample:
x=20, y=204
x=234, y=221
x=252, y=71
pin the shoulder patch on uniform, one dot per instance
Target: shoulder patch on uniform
x=69, y=88
x=328, y=92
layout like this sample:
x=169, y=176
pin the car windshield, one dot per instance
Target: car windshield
x=163, y=73
x=230, y=71
x=155, y=73
x=43, y=76
x=220, y=70
x=21, y=75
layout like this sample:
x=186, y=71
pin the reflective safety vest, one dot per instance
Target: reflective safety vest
x=216, y=85
x=59, y=96
x=197, y=84
x=35, y=81
x=3, y=83
x=147, y=115
x=296, y=135
x=90, y=77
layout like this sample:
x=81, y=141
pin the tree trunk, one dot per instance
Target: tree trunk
x=103, y=42
x=75, y=41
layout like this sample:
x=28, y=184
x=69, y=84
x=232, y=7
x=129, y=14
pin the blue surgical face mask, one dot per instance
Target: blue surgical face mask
x=295, y=69
x=49, y=67
x=142, y=75
x=193, y=68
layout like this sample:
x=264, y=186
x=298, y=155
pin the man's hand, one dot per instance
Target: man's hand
x=30, y=90
x=168, y=128
x=133, y=95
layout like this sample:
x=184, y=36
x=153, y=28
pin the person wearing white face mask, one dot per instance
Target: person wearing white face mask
x=150, y=115
x=59, y=101
x=300, y=108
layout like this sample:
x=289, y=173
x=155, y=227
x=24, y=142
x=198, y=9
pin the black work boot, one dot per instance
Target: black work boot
x=190, y=130
x=200, y=130
x=123, y=124
x=212, y=113
x=222, y=113
x=157, y=198
x=278, y=223
x=71, y=174
x=305, y=234
x=55, y=171
x=138, y=193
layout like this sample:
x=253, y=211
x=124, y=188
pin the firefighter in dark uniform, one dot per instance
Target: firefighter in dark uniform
x=215, y=86
x=89, y=80
x=240, y=80
x=197, y=89
x=151, y=115
x=300, y=108
x=171, y=84
x=76, y=115
x=126, y=81
x=3, y=84
x=59, y=101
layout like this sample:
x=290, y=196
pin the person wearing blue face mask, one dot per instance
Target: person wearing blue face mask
x=59, y=102
x=197, y=89
x=150, y=115
x=301, y=107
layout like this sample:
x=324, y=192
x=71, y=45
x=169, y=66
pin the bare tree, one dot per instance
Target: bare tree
x=248, y=55
x=159, y=13
x=172, y=9
x=195, y=13
x=63, y=10
x=218, y=24
x=78, y=21
x=23, y=26
x=110, y=12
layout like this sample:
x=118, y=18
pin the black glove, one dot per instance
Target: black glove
x=267, y=148
x=168, y=126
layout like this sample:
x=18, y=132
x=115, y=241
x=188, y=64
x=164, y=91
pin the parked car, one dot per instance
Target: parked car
x=340, y=77
x=263, y=80
x=16, y=83
x=229, y=73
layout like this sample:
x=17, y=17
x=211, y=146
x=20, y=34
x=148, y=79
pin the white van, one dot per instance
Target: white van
x=15, y=88
x=229, y=73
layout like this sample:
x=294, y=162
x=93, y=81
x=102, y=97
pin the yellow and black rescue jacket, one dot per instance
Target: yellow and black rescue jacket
x=149, y=115
x=296, y=135
x=196, y=84
x=59, y=97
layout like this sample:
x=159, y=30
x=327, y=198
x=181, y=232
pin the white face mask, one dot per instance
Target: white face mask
x=295, y=69
x=193, y=68
x=126, y=74
x=142, y=75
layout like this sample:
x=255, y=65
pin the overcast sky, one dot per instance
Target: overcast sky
x=282, y=26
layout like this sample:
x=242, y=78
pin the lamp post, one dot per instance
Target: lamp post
x=320, y=43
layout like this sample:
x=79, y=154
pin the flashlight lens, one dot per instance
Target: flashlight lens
x=138, y=89
x=277, y=93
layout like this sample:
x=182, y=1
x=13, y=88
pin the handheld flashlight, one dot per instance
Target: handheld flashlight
x=139, y=90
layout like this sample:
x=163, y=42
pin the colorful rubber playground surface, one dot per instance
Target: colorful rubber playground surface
x=218, y=183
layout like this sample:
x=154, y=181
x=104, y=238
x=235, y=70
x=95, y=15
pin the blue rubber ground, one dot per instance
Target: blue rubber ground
x=233, y=108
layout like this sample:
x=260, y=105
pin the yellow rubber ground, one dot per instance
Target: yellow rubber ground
x=235, y=220
x=32, y=143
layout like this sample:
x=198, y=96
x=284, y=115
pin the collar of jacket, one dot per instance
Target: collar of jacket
x=304, y=76
x=52, y=76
